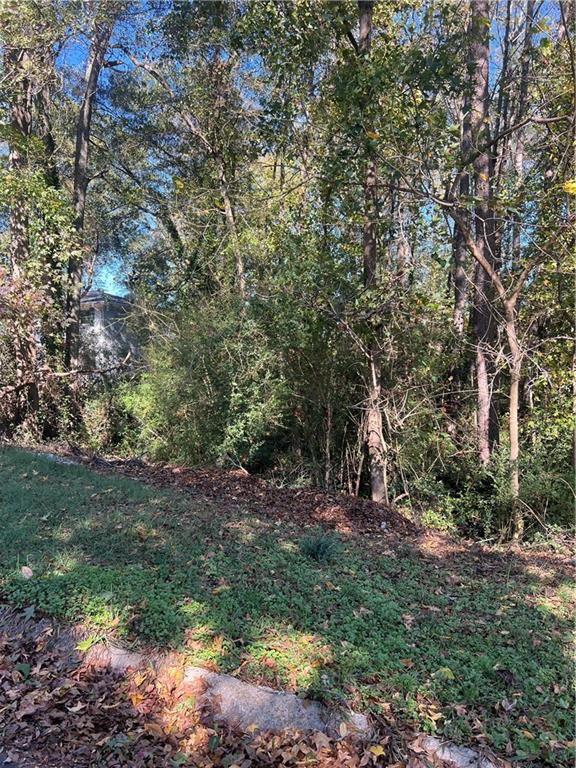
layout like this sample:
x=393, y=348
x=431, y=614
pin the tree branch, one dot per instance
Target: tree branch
x=47, y=374
x=161, y=80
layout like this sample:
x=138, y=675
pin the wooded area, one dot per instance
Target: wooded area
x=346, y=231
x=287, y=383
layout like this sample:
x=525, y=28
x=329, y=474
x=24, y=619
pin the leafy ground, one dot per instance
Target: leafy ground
x=57, y=710
x=468, y=642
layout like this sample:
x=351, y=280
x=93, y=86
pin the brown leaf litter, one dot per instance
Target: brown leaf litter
x=57, y=709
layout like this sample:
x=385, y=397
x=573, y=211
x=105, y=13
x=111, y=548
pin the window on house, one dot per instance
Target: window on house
x=87, y=317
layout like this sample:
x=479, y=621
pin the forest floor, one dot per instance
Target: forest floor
x=422, y=631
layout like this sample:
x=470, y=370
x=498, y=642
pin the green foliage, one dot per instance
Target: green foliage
x=107, y=420
x=230, y=177
x=476, y=502
x=51, y=235
x=242, y=146
x=214, y=390
x=321, y=546
x=31, y=296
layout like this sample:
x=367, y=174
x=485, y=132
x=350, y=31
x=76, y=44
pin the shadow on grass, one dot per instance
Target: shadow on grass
x=56, y=710
x=466, y=642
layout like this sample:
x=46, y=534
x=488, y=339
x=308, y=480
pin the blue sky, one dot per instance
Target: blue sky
x=110, y=273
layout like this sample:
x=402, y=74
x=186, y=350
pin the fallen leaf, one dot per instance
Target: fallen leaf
x=139, y=678
x=321, y=740
x=407, y=620
x=444, y=673
x=88, y=642
x=154, y=730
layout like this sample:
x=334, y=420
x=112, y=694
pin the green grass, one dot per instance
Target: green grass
x=449, y=648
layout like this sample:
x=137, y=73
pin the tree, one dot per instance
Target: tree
x=483, y=327
x=33, y=270
x=482, y=246
x=285, y=189
x=99, y=40
x=374, y=435
x=17, y=65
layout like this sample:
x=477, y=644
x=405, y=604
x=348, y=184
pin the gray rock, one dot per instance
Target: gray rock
x=56, y=458
x=242, y=705
x=451, y=755
x=118, y=659
x=256, y=708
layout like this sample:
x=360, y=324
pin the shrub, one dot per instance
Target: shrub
x=321, y=546
x=107, y=422
x=213, y=390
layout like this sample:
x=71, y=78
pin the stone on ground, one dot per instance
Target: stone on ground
x=256, y=708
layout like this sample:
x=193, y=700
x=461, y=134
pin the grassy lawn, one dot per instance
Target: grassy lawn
x=478, y=654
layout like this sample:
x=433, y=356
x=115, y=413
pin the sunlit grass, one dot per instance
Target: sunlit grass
x=375, y=623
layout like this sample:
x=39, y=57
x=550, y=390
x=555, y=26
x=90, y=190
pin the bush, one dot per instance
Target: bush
x=213, y=391
x=107, y=422
x=476, y=501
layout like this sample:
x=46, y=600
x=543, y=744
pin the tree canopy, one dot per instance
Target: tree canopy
x=346, y=230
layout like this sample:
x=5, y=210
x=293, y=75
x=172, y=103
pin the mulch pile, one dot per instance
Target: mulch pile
x=56, y=711
x=234, y=487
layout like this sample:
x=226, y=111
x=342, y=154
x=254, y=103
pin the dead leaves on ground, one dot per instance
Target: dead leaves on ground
x=230, y=486
x=56, y=711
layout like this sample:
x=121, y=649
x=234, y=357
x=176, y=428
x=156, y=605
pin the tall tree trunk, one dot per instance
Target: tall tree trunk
x=514, y=396
x=373, y=418
x=374, y=433
x=522, y=99
x=509, y=302
x=230, y=217
x=502, y=111
x=22, y=331
x=483, y=328
x=459, y=250
x=98, y=47
x=44, y=102
x=461, y=276
x=460, y=279
x=509, y=307
x=220, y=74
x=53, y=324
